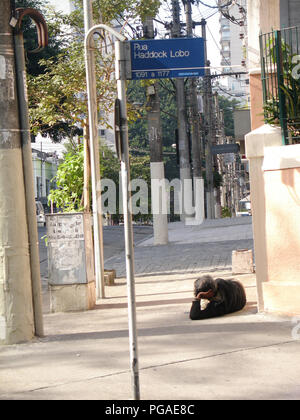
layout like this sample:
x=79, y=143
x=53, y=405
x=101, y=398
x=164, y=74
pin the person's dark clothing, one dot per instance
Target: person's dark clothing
x=230, y=297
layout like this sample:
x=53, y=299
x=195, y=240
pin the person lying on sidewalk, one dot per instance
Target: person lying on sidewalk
x=216, y=297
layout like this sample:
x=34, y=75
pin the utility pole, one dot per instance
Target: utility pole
x=193, y=103
x=195, y=128
x=218, y=120
x=208, y=115
x=33, y=238
x=183, y=141
x=158, y=191
x=16, y=307
x=221, y=165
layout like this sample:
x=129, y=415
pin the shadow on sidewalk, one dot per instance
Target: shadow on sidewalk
x=250, y=307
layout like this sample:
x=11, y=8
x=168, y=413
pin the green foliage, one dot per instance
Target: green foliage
x=271, y=112
x=55, y=22
x=168, y=113
x=228, y=106
x=69, y=178
x=138, y=126
x=218, y=179
x=289, y=89
x=108, y=10
x=69, y=181
x=226, y=212
x=140, y=168
x=57, y=85
x=109, y=164
x=57, y=97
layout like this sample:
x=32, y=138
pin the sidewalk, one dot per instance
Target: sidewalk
x=206, y=247
x=86, y=355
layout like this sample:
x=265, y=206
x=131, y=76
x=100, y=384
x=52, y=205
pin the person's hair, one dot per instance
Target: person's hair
x=203, y=284
x=232, y=293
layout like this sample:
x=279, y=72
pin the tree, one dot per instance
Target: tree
x=69, y=182
x=57, y=95
x=68, y=196
x=58, y=99
x=228, y=106
x=138, y=128
x=56, y=39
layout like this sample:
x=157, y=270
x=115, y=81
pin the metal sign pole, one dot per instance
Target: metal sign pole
x=125, y=172
x=94, y=153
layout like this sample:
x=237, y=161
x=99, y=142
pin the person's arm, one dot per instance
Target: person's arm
x=212, y=310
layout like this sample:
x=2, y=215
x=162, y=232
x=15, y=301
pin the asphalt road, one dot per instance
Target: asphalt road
x=113, y=242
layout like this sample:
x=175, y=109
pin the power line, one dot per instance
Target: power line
x=217, y=6
x=224, y=58
x=231, y=94
x=217, y=45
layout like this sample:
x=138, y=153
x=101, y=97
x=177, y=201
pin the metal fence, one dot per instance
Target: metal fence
x=280, y=64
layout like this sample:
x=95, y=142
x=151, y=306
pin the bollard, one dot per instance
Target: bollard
x=242, y=261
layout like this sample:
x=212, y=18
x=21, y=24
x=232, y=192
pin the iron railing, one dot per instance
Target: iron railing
x=280, y=64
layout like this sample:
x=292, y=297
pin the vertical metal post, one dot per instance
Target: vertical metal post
x=94, y=154
x=263, y=69
x=127, y=208
x=281, y=95
x=127, y=205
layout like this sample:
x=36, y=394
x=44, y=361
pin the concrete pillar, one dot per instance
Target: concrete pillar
x=282, y=191
x=199, y=207
x=159, y=204
x=256, y=143
x=262, y=16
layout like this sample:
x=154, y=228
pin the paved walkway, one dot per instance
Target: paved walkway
x=191, y=249
x=85, y=355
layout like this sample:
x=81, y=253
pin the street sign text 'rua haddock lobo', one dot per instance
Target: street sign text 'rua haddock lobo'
x=168, y=58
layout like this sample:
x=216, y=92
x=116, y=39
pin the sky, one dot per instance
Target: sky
x=212, y=31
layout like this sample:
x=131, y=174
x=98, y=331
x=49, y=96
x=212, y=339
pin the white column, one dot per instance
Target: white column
x=256, y=142
x=160, y=206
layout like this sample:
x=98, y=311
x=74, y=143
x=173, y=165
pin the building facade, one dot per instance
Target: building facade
x=233, y=43
x=44, y=170
x=264, y=17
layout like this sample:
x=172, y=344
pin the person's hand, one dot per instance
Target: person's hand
x=205, y=295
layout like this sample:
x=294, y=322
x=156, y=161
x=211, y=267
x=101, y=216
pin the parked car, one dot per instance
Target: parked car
x=40, y=214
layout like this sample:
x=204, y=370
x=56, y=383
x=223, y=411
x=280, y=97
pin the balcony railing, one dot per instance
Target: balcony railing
x=280, y=70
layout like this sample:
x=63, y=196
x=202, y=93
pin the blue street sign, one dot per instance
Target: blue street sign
x=168, y=58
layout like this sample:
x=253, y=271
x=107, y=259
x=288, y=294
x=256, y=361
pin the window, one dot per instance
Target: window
x=225, y=28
